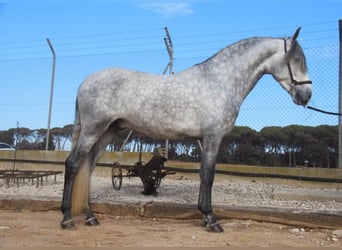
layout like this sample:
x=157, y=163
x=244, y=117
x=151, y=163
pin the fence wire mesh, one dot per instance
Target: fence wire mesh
x=267, y=105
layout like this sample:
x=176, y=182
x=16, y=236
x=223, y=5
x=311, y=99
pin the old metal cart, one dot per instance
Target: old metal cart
x=150, y=173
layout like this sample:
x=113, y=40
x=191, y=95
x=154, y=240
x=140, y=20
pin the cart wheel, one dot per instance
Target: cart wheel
x=116, y=175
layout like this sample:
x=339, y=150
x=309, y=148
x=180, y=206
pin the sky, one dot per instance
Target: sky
x=88, y=36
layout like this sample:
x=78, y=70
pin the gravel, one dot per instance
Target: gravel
x=227, y=190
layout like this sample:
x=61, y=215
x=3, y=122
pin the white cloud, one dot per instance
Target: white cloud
x=168, y=9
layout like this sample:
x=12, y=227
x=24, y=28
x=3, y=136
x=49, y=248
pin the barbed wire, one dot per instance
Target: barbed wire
x=133, y=41
x=319, y=40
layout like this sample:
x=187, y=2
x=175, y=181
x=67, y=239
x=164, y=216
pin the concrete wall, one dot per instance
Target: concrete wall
x=55, y=161
x=31, y=158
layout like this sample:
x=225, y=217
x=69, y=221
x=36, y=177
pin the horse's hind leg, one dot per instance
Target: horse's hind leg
x=72, y=164
x=210, y=150
x=77, y=166
x=95, y=155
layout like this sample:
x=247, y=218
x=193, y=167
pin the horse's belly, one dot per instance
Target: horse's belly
x=166, y=128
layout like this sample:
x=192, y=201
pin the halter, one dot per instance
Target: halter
x=293, y=81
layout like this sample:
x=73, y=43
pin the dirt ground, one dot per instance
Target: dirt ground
x=32, y=229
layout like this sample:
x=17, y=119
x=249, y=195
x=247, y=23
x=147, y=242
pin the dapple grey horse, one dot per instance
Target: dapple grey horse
x=201, y=102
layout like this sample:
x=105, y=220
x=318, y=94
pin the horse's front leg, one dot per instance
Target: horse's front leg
x=207, y=172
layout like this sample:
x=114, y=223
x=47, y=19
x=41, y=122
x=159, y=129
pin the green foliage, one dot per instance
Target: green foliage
x=273, y=146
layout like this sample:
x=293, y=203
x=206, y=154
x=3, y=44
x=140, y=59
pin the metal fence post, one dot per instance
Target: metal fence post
x=340, y=100
x=169, y=47
x=51, y=94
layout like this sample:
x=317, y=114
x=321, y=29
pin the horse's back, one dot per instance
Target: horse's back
x=147, y=102
x=112, y=78
x=114, y=83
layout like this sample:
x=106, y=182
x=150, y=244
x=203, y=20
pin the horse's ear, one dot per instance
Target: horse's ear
x=295, y=35
x=292, y=42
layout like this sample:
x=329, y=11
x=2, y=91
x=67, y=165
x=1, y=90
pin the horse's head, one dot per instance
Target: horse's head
x=291, y=73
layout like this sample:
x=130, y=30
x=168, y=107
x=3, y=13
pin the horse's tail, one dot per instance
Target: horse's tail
x=77, y=128
x=81, y=184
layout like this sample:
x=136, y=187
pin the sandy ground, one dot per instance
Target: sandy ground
x=32, y=229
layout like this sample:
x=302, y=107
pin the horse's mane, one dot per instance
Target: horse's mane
x=296, y=50
x=247, y=40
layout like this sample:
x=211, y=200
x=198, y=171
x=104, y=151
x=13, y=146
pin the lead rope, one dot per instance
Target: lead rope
x=323, y=111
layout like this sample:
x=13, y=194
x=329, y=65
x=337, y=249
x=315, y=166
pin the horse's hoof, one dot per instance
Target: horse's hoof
x=211, y=223
x=68, y=224
x=216, y=228
x=203, y=223
x=92, y=222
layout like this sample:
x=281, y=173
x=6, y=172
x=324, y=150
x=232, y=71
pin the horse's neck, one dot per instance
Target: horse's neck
x=242, y=64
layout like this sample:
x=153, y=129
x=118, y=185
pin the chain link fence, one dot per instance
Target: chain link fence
x=267, y=105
